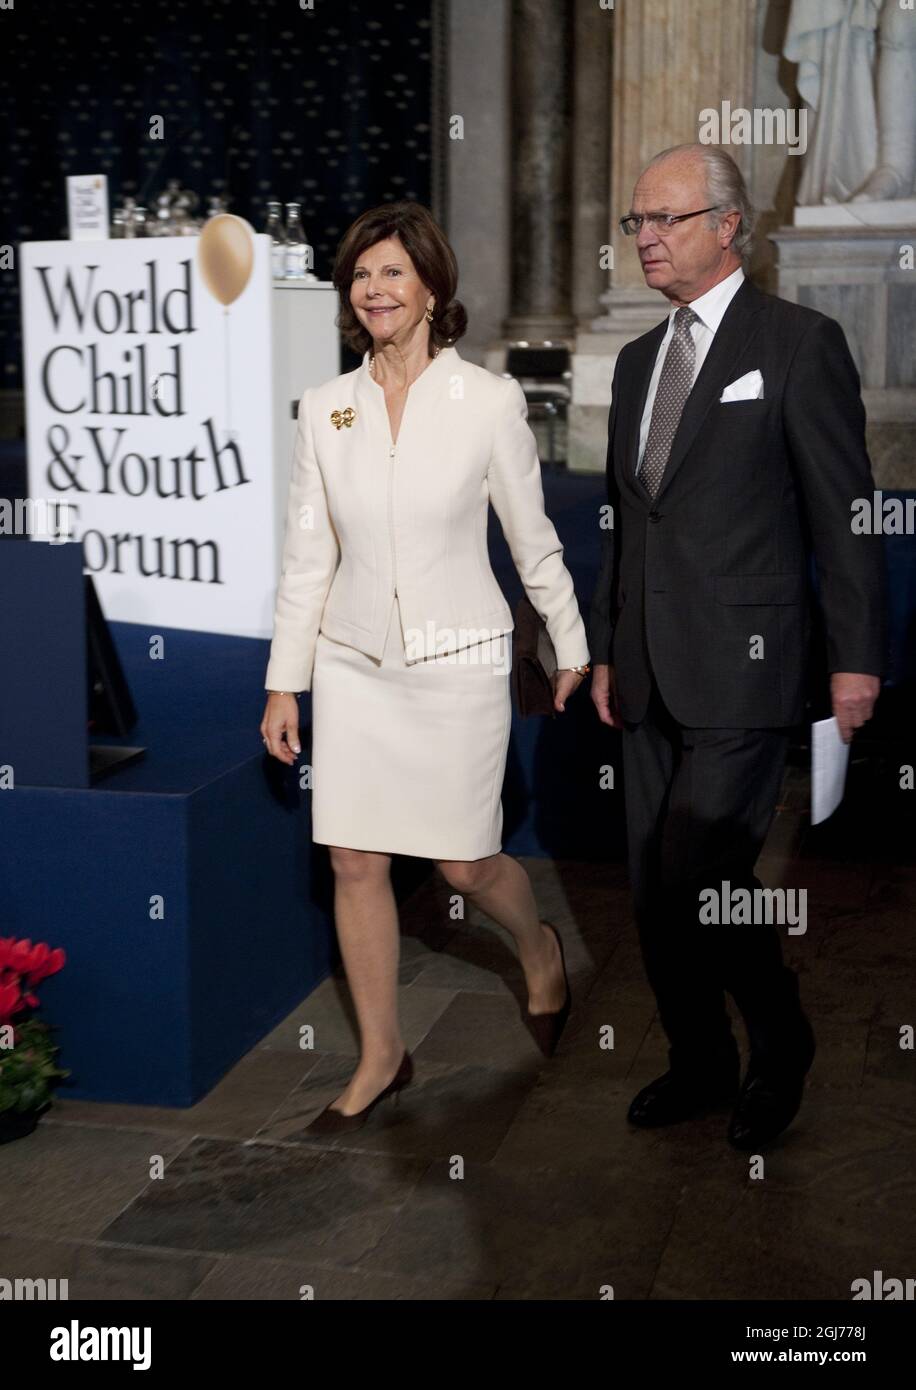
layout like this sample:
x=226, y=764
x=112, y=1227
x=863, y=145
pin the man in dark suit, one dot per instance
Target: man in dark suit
x=735, y=443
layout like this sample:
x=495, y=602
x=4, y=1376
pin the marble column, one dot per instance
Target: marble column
x=671, y=60
x=478, y=167
x=593, y=46
x=542, y=171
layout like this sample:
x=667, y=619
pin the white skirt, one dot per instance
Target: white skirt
x=410, y=759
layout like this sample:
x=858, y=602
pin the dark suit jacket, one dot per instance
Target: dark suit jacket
x=719, y=558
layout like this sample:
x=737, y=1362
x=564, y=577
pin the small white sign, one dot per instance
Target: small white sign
x=87, y=207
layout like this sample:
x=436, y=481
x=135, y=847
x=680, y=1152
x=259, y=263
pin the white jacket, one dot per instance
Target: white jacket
x=366, y=520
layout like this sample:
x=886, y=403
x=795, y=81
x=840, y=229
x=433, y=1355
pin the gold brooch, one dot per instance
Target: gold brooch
x=343, y=417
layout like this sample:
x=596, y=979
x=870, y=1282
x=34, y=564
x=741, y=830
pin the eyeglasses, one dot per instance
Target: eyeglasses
x=661, y=221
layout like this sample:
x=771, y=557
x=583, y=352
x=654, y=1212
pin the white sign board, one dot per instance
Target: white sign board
x=148, y=407
x=87, y=207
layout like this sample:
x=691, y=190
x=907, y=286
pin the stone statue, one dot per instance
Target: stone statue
x=857, y=72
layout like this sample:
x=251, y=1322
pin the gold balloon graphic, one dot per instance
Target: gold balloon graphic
x=225, y=256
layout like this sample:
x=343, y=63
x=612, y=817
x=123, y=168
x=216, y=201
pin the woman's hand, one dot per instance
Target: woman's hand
x=564, y=682
x=281, y=716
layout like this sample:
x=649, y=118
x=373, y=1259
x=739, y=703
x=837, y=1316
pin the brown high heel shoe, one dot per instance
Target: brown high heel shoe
x=336, y=1122
x=546, y=1028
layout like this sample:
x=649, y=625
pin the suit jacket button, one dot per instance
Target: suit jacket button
x=655, y=516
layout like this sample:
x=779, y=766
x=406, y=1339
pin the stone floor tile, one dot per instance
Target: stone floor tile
x=94, y=1270
x=281, y=1201
x=73, y=1180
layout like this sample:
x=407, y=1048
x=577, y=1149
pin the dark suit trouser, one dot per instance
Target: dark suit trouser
x=699, y=804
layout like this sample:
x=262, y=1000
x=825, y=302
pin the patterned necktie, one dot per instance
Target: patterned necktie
x=674, y=386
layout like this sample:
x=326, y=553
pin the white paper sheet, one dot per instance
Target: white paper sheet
x=829, y=761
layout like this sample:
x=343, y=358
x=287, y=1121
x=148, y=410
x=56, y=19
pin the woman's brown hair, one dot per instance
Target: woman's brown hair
x=433, y=258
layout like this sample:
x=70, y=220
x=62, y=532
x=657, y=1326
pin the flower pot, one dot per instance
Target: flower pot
x=16, y=1124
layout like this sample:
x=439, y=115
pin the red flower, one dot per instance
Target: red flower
x=11, y=1001
x=36, y=962
x=24, y=965
x=44, y=962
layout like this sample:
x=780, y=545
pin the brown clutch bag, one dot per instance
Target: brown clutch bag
x=533, y=662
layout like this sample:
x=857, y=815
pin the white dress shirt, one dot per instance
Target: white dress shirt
x=710, y=309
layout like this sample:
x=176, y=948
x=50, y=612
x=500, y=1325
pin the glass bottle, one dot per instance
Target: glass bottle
x=274, y=229
x=130, y=217
x=163, y=223
x=298, y=252
x=184, y=204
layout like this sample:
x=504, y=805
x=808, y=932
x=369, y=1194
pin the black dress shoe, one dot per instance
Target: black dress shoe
x=678, y=1096
x=771, y=1095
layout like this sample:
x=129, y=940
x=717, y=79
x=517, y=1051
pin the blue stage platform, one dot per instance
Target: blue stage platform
x=153, y=1008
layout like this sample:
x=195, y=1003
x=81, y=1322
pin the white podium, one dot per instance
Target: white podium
x=305, y=350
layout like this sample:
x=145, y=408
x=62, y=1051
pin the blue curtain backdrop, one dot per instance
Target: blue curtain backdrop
x=329, y=106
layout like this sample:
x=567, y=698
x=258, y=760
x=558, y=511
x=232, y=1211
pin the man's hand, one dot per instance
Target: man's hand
x=853, y=698
x=604, y=696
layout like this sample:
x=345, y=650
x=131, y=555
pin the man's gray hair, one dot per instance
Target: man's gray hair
x=726, y=188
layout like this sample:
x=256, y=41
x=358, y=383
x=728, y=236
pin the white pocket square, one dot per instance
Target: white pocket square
x=747, y=388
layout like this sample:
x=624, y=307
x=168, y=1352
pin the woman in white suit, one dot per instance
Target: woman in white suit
x=389, y=613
